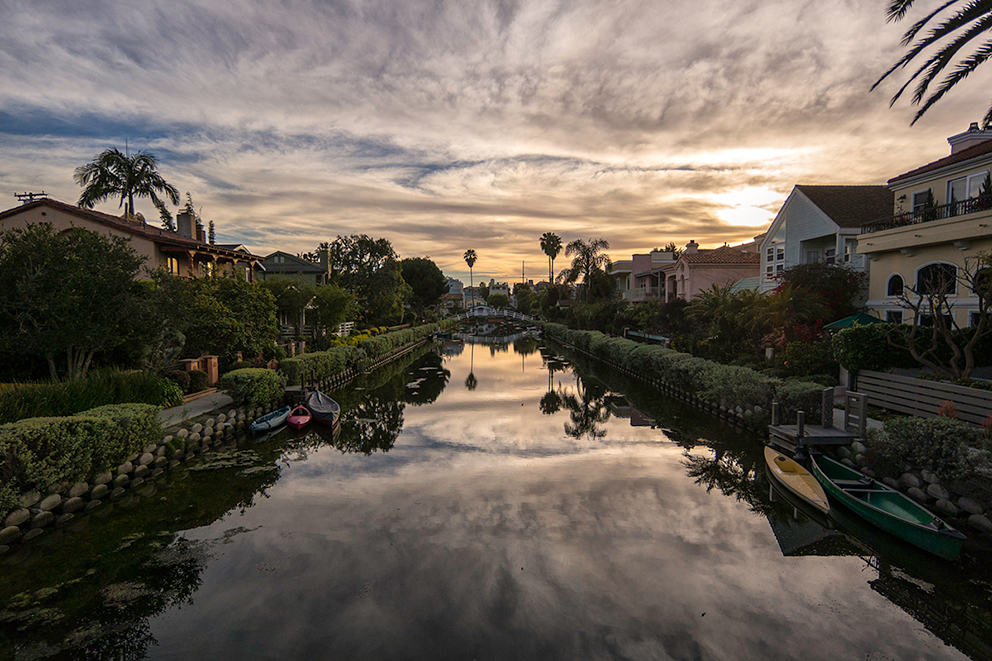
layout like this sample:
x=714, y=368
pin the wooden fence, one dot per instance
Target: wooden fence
x=923, y=398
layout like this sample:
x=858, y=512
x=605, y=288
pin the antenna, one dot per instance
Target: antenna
x=25, y=198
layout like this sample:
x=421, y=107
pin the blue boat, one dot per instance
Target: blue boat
x=270, y=420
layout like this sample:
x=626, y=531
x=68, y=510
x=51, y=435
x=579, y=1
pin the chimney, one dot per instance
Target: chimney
x=200, y=236
x=969, y=138
x=692, y=247
x=185, y=224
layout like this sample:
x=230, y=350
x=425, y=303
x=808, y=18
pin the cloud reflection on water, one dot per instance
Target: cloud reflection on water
x=524, y=544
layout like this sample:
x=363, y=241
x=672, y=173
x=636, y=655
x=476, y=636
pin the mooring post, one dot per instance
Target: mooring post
x=775, y=414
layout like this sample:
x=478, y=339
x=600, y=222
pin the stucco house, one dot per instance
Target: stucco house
x=180, y=253
x=642, y=277
x=820, y=224
x=916, y=241
x=698, y=269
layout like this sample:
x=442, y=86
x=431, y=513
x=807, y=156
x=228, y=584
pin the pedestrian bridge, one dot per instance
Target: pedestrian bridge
x=486, y=311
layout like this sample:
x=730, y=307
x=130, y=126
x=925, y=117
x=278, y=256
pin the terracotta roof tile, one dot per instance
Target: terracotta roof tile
x=980, y=149
x=722, y=255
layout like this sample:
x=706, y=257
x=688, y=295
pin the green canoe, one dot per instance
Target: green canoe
x=886, y=508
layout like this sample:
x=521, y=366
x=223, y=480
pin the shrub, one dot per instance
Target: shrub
x=254, y=387
x=794, y=396
x=180, y=377
x=197, y=381
x=37, y=452
x=736, y=386
x=939, y=445
x=867, y=348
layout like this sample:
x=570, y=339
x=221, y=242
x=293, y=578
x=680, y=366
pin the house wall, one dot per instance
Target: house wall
x=938, y=184
x=704, y=276
x=63, y=221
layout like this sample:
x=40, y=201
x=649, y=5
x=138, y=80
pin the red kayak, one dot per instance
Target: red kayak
x=299, y=417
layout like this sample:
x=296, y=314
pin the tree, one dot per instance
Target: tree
x=841, y=291
x=426, y=281
x=551, y=245
x=470, y=258
x=332, y=307
x=66, y=295
x=933, y=337
x=367, y=268
x=211, y=234
x=386, y=294
x=114, y=174
x=960, y=22
x=498, y=301
x=588, y=259
x=292, y=298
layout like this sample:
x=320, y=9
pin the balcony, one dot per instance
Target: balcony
x=641, y=294
x=956, y=208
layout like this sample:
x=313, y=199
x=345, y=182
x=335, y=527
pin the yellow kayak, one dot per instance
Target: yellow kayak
x=796, y=479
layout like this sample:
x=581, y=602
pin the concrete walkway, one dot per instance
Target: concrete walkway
x=219, y=401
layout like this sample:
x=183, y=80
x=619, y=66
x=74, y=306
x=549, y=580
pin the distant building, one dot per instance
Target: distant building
x=642, y=277
x=284, y=265
x=698, y=269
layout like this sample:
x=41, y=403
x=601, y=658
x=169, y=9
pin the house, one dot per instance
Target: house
x=940, y=220
x=183, y=253
x=820, y=224
x=696, y=270
x=284, y=265
x=642, y=277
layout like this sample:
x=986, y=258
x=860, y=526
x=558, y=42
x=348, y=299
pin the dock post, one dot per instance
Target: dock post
x=800, y=453
x=775, y=414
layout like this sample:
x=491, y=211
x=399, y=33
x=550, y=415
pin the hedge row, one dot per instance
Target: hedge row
x=726, y=385
x=254, y=386
x=36, y=453
x=325, y=364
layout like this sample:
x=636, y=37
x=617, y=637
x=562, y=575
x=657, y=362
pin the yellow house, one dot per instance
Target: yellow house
x=183, y=253
x=940, y=223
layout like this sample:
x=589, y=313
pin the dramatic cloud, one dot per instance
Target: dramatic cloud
x=445, y=126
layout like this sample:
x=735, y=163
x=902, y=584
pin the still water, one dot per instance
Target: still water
x=485, y=502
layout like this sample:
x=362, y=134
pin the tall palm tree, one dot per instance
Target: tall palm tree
x=588, y=259
x=114, y=174
x=960, y=22
x=551, y=245
x=470, y=258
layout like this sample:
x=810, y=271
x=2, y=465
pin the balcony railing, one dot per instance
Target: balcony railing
x=956, y=208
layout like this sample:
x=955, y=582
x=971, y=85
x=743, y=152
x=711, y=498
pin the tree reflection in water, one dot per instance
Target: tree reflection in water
x=587, y=410
x=733, y=476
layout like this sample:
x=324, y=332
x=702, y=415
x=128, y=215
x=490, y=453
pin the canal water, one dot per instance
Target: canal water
x=485, y=501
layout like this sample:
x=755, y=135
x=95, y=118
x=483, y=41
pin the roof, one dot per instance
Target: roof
x=851, y=206
x=746, y=284
x=294, y=265
x=974, y=151
x=162, y=237
x=721, y=255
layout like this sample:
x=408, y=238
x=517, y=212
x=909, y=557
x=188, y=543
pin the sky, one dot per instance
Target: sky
x=449, y=125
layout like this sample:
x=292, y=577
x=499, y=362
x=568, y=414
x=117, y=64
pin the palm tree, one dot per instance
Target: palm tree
x=961, y=21
x=470, y=258
x=551, y=245
x=588, y=260
x=114, y=174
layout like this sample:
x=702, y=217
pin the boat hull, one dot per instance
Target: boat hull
x=299, y=417
x=887, y=508
x=275, y=419
x=796, y=479
x=324, y=409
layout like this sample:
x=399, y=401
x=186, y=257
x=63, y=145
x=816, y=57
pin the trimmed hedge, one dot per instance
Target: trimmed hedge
x=949, y=448
x=325, y=364
x=726, y=385
x=254, y=386
x=38, y=452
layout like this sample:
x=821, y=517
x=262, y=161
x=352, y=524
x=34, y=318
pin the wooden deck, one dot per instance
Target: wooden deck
x=786, y=435
x=791, y=436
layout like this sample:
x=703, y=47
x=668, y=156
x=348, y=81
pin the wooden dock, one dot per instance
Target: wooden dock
x=791, y=437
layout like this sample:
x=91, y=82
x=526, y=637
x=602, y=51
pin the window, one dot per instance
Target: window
x=967, y=187
x=920, y=199
x=981, y=286
x=812, y=256
x=850, y=250
x=939, y=279
x=893, y=316
x=974, y=318
x=830, y=254
x=173, y=265
x=894, y=288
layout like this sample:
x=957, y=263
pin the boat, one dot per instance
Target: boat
x=270, y=420
x=324, y=409
x=299, y=417
x=887, y=508
x=791, y=475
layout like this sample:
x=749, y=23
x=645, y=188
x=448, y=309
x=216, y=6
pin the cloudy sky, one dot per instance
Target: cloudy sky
x=447, y=125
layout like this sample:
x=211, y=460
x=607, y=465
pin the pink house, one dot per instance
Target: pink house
x=697, y=269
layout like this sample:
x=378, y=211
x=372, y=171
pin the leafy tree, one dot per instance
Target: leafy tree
x=551, y=245
x=498, y=301
x=333, y=306
x=211, y=233
x=292, y=297
x=958, y=23
x=386, y=293
x=114, y=174
x=218, y=315
x=66, y=295
x=841, y=291
x=367, y=268
x=470, y=258
x=426, y=281
x=588, y=259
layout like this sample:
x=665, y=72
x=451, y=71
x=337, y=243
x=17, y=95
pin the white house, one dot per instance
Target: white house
x=821, y=224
